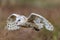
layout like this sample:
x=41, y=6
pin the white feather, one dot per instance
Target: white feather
x=23, y=20
x=46, y=23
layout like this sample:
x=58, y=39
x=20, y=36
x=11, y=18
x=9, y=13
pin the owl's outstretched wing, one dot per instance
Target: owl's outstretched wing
x=40, y=21
x=11, y=24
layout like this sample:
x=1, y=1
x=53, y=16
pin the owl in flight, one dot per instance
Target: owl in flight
x=35, y=21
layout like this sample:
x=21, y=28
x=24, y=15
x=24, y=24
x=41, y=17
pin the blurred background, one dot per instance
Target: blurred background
x=50, y=9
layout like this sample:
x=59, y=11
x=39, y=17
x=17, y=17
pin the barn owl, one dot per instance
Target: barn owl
x=35, y=21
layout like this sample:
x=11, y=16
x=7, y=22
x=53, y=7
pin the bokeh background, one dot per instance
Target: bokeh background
x=50, y=9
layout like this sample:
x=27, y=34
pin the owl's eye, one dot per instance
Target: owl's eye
x=19, y=20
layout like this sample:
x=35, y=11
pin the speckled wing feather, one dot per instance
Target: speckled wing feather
x=40, y=21
x=11, y=22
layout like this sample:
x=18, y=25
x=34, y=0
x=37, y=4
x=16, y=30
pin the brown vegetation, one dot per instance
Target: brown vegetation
x=52, y=14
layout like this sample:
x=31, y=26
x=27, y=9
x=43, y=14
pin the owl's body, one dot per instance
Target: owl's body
x=34, y=21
